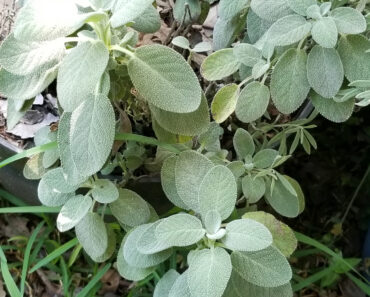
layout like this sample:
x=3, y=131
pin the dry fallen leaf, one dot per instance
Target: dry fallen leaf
x=15, y=226
x=110, y=281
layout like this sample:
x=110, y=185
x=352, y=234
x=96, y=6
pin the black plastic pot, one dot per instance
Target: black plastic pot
x=11, y=176
x=13, y=181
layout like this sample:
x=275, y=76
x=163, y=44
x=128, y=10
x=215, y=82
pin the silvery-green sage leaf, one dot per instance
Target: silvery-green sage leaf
x=130, y=209
x=252, y=102
x=148, y=243
x=271, y=9
x=130, y=272
x=246, y=235
x=349, y=20
x=289, y=83
x=253, y=188
x=181, y=288
x=336, y=112
x=126, y=11
x=22, y=58
x=163, y=287
x=74, y=85
x=257, y=26
x=181, y=41
x=209, y=273
x=243, y=143
x=212, y=221
x=70, y=170
x=104, y=191
x=324, y=32
x=33, y=168
x=325, y=71
x=300, y=6
x=190, y=169
x=218, y=191
x=92, y=235
x=186, y=124
x=267, y=268
x=239, y=287
x=148, y=22
x=165, y=79
x=355, y=58
x=112, y=241
x=283, y=237
x=41, y=20
x=247, y=54
x=220, y=65
x=282, y=201
x=92, y=134
x=224, y=102
x=134, y=258
x=288, y=30
x=265, y=158
x=27, y=86
x=169, y=183
x=73, y=212
x=202, y=47
x=229, y=10
x=180, y=230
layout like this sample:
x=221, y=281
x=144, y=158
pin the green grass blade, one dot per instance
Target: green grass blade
x=73, y=257
x=28, y=153
x=7, y=277
x=364, y=287
x=94, y=281
x=58, y=252
x=40, y=244
x=65, y=276
x=27, y=253
x=30, y=209
x=312, y=242
x=312, y=279
x=11, y=198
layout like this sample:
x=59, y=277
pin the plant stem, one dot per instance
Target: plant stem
x=122, y=50
x=245, y=81
x=355, y=194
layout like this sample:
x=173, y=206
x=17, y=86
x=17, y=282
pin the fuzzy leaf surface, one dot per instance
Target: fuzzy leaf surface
x=165, y=79
x=74, y=85
x=224, y=102
x=325, y=71
x=180, y=230
x=289, y=83
x=247, y=235
x=92, y=134
x=266, y=268
x=218, y=191
x=130, y=209
x=72, y=212
x=283, y=237
x=252, y=102
x=191, y=167
x=209, y=274
x=92, y=234
x=22, y=58
x=220, y=64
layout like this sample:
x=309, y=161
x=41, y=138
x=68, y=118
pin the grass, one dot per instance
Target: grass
x=46, y=250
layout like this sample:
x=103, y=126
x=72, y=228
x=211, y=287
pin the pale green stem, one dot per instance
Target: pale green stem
x=122, y=50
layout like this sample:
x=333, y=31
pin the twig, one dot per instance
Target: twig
x=355, y=194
